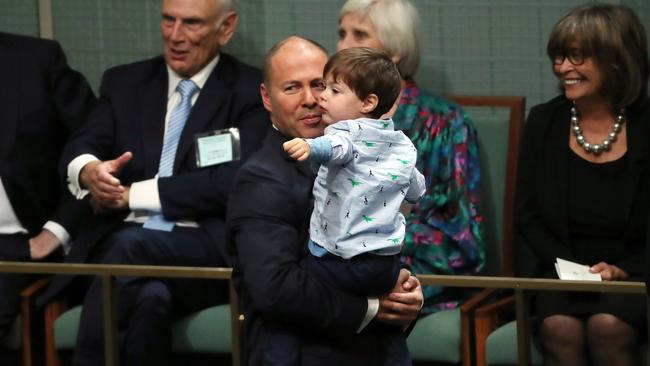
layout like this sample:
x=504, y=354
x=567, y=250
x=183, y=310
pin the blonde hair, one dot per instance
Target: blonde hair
x=398, y=27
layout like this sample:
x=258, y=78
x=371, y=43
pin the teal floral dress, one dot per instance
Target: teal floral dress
x=444, y=233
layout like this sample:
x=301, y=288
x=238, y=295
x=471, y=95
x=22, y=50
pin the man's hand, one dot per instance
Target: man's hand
x=609, y=272
x=297, y=148
x=102, y=207
x=41, y=245
x=99, y=179
x=402, y=305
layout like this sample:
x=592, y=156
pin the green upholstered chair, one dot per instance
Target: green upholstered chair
x=207, y=331
x=501, y=347
x=200, y=332
x=446, y=336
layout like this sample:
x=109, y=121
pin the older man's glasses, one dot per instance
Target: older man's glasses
x=576, y=56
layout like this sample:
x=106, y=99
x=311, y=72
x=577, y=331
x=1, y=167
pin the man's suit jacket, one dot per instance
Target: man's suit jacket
x=542, y=187
x=42, y=101
x=130, y=116
x=268, y=221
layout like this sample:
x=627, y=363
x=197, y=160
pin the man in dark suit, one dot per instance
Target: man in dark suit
x=121, y=157
x=268, y=221
x=42, y=101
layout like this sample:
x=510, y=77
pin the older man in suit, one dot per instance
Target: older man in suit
x=268, y=221
x=159, y=197
x=42, y=101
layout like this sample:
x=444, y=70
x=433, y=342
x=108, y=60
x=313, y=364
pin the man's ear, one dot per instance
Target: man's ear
x=266, y=99
x=369, y=104
x=227, y=28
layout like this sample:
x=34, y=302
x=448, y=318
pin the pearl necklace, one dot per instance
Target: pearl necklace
x=590, y=148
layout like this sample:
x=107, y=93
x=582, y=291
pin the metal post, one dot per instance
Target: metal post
x=235, y=324
x=647, y=302
x=523, y=327
x=45, y=24
x=111, y=348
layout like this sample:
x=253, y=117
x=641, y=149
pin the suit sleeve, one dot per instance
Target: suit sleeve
x=95, y=136
x=72, y=99
x=264, y=226
x=530, y=224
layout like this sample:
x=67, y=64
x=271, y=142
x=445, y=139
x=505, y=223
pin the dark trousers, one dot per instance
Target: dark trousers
x=365, y=275
x=147, y=306
x=14, y=248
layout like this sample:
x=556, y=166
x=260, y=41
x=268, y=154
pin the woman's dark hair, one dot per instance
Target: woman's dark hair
x=616, y=40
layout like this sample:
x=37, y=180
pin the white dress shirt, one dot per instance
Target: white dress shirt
x=9, y=223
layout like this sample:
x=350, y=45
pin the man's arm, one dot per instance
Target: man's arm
x=402, y=305
x=72, y=99
x=99, y=178
x=265, y=226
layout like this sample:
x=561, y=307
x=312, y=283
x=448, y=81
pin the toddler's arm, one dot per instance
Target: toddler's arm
x=417, y=187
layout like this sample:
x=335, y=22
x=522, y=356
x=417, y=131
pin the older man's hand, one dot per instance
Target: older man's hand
x=99, y=178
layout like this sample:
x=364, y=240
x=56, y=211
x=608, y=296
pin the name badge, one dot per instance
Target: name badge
x=217, y=147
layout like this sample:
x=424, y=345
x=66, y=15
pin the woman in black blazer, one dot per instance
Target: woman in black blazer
x=583, y=184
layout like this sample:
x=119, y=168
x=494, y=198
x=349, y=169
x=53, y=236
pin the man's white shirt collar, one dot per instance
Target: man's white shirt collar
x=199, y=78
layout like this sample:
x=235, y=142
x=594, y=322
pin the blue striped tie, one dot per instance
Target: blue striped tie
x=177, y=119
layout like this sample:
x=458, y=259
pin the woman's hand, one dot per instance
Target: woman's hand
x=609, y=272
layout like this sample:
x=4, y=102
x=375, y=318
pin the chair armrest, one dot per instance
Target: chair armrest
x=466, y=312
x=488, y=318
x=27, y=299
x=29, y=292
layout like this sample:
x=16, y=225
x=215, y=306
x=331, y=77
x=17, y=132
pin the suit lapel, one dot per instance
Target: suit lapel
x=275, y=140
x=10, y=74
x=153, y=98
x=213, y=96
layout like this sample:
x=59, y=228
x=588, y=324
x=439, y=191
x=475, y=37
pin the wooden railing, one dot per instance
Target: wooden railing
x=107, y=273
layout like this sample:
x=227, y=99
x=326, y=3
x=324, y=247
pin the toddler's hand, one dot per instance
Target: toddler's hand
x=297, y=148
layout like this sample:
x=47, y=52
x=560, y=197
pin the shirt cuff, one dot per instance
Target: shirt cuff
x=320, y=149
x=74, y=169
x=373, y=309
x=144, y=196
x=60, y=232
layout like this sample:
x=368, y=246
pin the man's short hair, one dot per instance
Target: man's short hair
x=266, y=66
x=367, y=71
x=228, y=5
